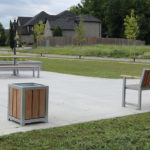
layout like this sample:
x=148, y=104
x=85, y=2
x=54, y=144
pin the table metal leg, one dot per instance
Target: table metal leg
x=33, y=72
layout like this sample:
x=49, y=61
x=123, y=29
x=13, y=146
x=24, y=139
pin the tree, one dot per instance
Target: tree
x=131, y=27
x=75, y=10
x=113, y=12
x=2, y=35
x=80, y=34
x=38, y=31
x=12, y=42
x=57, y=31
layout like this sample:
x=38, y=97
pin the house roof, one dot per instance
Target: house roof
x=87, y=18
x=23, y=20
x=66, y=20
x=63, y=23
x=42, y=16
x=65, y=14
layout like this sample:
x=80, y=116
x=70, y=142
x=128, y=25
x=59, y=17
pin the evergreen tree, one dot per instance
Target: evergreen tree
x=57, y=31
x=12, y=42
x=2, y=35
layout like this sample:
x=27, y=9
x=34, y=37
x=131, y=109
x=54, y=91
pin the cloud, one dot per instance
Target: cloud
x=10, y=9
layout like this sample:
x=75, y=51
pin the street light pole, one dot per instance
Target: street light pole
x=15, y=60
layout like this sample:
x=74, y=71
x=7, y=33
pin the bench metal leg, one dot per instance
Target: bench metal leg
x=123, y=92
x=33, y=72
x=139, y=99
x=38, y=73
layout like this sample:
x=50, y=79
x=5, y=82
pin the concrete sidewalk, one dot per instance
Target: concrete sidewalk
x=72, y=99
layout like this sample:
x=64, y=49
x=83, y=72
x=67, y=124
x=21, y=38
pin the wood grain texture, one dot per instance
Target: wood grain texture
x=28, y=104
x=18, y=93
x=42, y=109
x=146, y=81
x=11, y=101
x=14, y=103
x=35, y=106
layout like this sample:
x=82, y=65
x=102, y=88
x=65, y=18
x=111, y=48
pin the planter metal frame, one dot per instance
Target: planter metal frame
x=22, y=121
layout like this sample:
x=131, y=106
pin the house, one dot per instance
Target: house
x=65, y=20
x=68, y=21
x=25, y=25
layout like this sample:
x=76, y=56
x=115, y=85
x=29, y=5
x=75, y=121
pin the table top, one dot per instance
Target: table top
x=14, y=56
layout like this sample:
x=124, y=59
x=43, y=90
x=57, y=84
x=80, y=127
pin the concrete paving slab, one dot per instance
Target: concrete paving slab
x=72, y=99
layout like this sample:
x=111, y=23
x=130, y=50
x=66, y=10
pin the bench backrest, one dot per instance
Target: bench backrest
x=145, y=79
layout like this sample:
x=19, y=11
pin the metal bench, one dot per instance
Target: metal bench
x=143, y=85
x=17, y=67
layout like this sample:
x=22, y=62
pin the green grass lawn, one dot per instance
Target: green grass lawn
x=126, y=133
x=96, y=50
x=94, y=68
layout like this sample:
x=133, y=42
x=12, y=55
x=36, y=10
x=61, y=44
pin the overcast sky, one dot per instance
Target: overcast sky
x=10, y=9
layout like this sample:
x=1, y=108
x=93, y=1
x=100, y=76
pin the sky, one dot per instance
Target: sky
x=11, y=9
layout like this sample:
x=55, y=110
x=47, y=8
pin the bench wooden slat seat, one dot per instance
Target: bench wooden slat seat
x=17, y=67
x=143, y=85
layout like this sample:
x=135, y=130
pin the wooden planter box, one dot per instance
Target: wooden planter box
x=28, y=102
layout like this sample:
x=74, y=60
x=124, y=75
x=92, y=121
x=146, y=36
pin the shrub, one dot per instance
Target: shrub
x=57, y=31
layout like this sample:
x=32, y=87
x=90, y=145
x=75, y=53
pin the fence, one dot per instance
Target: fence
x=64, y=41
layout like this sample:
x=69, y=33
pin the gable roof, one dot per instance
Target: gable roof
x=65, y=14
x=42, y=16
x=66, y=20
x=63, y=23
x=23, y=20
x=87, y=18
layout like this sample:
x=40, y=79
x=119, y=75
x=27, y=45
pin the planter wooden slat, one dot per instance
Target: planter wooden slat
x=14, y=103
x=28, y=104
x=35, y=106
x=11, y=102
x=42, y=105
x=18, y=98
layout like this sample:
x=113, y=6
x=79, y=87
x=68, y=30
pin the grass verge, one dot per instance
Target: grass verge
x=126, y=133
x=96, y=50
x=93, y=68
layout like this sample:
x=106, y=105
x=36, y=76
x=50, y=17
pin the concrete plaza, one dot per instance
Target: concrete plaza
x=72, y=99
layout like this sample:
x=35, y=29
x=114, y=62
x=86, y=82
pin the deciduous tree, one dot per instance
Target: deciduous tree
x=38, y=31
x=80, y=34
x=131, y=27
